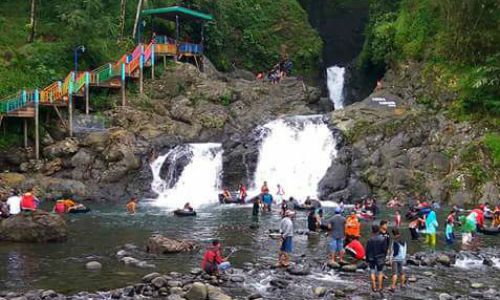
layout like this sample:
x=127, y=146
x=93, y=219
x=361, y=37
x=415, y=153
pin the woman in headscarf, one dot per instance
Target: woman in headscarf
x=431, y=225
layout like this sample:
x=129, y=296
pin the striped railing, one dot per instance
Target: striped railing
x=51, y=93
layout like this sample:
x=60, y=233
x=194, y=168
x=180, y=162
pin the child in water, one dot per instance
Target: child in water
x=397, y=219
x=131, y=206
x=448, y=232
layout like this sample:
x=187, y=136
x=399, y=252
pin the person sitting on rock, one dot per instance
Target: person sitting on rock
x=356, y=249
x=213, y=262
x=28, y=201
x=131, y=206
x=188, y=207
x=59, y=207
x=14, y=203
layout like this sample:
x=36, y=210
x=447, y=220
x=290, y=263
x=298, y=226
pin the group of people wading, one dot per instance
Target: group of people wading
x=382, y=244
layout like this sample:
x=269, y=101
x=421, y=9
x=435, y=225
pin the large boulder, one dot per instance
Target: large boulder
x=159, y=244
x=198, y=291
x=34, y=227
x=62, y=148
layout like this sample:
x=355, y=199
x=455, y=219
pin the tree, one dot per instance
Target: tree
x=137, y=15
x=123, y=7
x=32, y=25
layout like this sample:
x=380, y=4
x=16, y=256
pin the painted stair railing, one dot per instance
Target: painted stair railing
x=60, y=90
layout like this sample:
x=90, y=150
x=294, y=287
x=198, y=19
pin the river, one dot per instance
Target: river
x=100, y=234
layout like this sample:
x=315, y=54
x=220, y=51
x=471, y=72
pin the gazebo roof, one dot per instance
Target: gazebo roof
x=172, y=11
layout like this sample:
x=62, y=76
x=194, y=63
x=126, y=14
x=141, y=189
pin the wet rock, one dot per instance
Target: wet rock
x=319, y=291
x=254, y=296
x=428, y=261
x=48, y=294
x=175, y=297
x=196, y=271
x=477, y=285
x=174, y=283
x=198, y=291
x=176, y=290
x=477, y=294
x=445, y=296
x=159, y=282
x=34, y=227
x=62, y=148
x=339, y=293
x=349, y=268
x=412, y=279
x=412, y=262
x=279, y=283
x=444, y=260
x=216, y=295
x=237, y=279
x=148, y=278
x=333, y=265
x=299, y=270
x=122, y=253
x=129, y=291
x=116, y=294
x=487, y=262
x=93, y=265
x=159, y=244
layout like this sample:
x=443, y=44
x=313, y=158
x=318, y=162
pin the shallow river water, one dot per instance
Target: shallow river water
x=100, y=234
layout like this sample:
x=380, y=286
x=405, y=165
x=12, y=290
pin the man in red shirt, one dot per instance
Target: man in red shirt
x=213, y=261
x=355, y=248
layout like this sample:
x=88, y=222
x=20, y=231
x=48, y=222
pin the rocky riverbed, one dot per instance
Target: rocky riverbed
x=440, y=275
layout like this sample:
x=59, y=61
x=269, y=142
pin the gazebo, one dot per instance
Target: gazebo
x=180, y=14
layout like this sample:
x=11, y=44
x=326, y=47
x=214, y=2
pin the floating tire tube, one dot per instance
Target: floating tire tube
x=184, y=213
x=79, y=210
x=490, y=231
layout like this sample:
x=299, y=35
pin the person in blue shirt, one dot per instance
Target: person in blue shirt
x=448, y=232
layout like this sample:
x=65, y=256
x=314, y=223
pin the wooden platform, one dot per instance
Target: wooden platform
x=25, y=112
x=111, y=83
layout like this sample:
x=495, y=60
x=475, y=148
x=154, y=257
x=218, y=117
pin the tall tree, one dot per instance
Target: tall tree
x=123, y=7
x=137, y=15
x=31, y=36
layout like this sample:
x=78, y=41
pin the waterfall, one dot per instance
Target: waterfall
x=295, y=152
x=335, y=84
x=198, y=182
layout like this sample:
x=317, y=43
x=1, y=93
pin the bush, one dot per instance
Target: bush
x=492, y=142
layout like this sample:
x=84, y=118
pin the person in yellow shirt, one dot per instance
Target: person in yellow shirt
x=131, y=206
x=496, y=219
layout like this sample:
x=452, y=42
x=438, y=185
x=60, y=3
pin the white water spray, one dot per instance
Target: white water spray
x=199, y=181
x=335, y=84
x=295, y=153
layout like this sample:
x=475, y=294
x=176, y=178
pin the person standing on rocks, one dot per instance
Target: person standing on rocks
x=384, y=233
x=398, y=257
x=352, y=226
x=286, y=230
x=376, y=251
x=280, y=194
x=336, y=225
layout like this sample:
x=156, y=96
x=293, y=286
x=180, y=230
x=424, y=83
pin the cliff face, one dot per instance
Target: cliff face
x=182, y=106
x=409, y=149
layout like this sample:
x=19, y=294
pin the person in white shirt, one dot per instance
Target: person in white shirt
x=14, y=203
x=280, y=194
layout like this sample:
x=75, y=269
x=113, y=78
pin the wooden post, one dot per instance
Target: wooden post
x=87, y=86
x=37, y=137
x=70, y=105
x=165, y=61
x=153, y=61
x=124, y=100
x=141, y=75
x=25, y=129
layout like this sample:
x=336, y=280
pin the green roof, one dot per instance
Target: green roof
x=172, y=11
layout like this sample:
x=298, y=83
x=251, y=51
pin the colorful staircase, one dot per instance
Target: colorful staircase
x=108, y=75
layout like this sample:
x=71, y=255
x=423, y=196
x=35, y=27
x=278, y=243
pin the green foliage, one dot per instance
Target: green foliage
x=458, y=39
x=9, y=140
x=492, y=142
x=225, y=99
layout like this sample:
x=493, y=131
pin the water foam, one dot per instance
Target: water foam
x=335, y=84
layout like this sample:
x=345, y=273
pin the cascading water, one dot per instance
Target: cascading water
x=198, y=183
x=295, y=152
x=335, y=84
